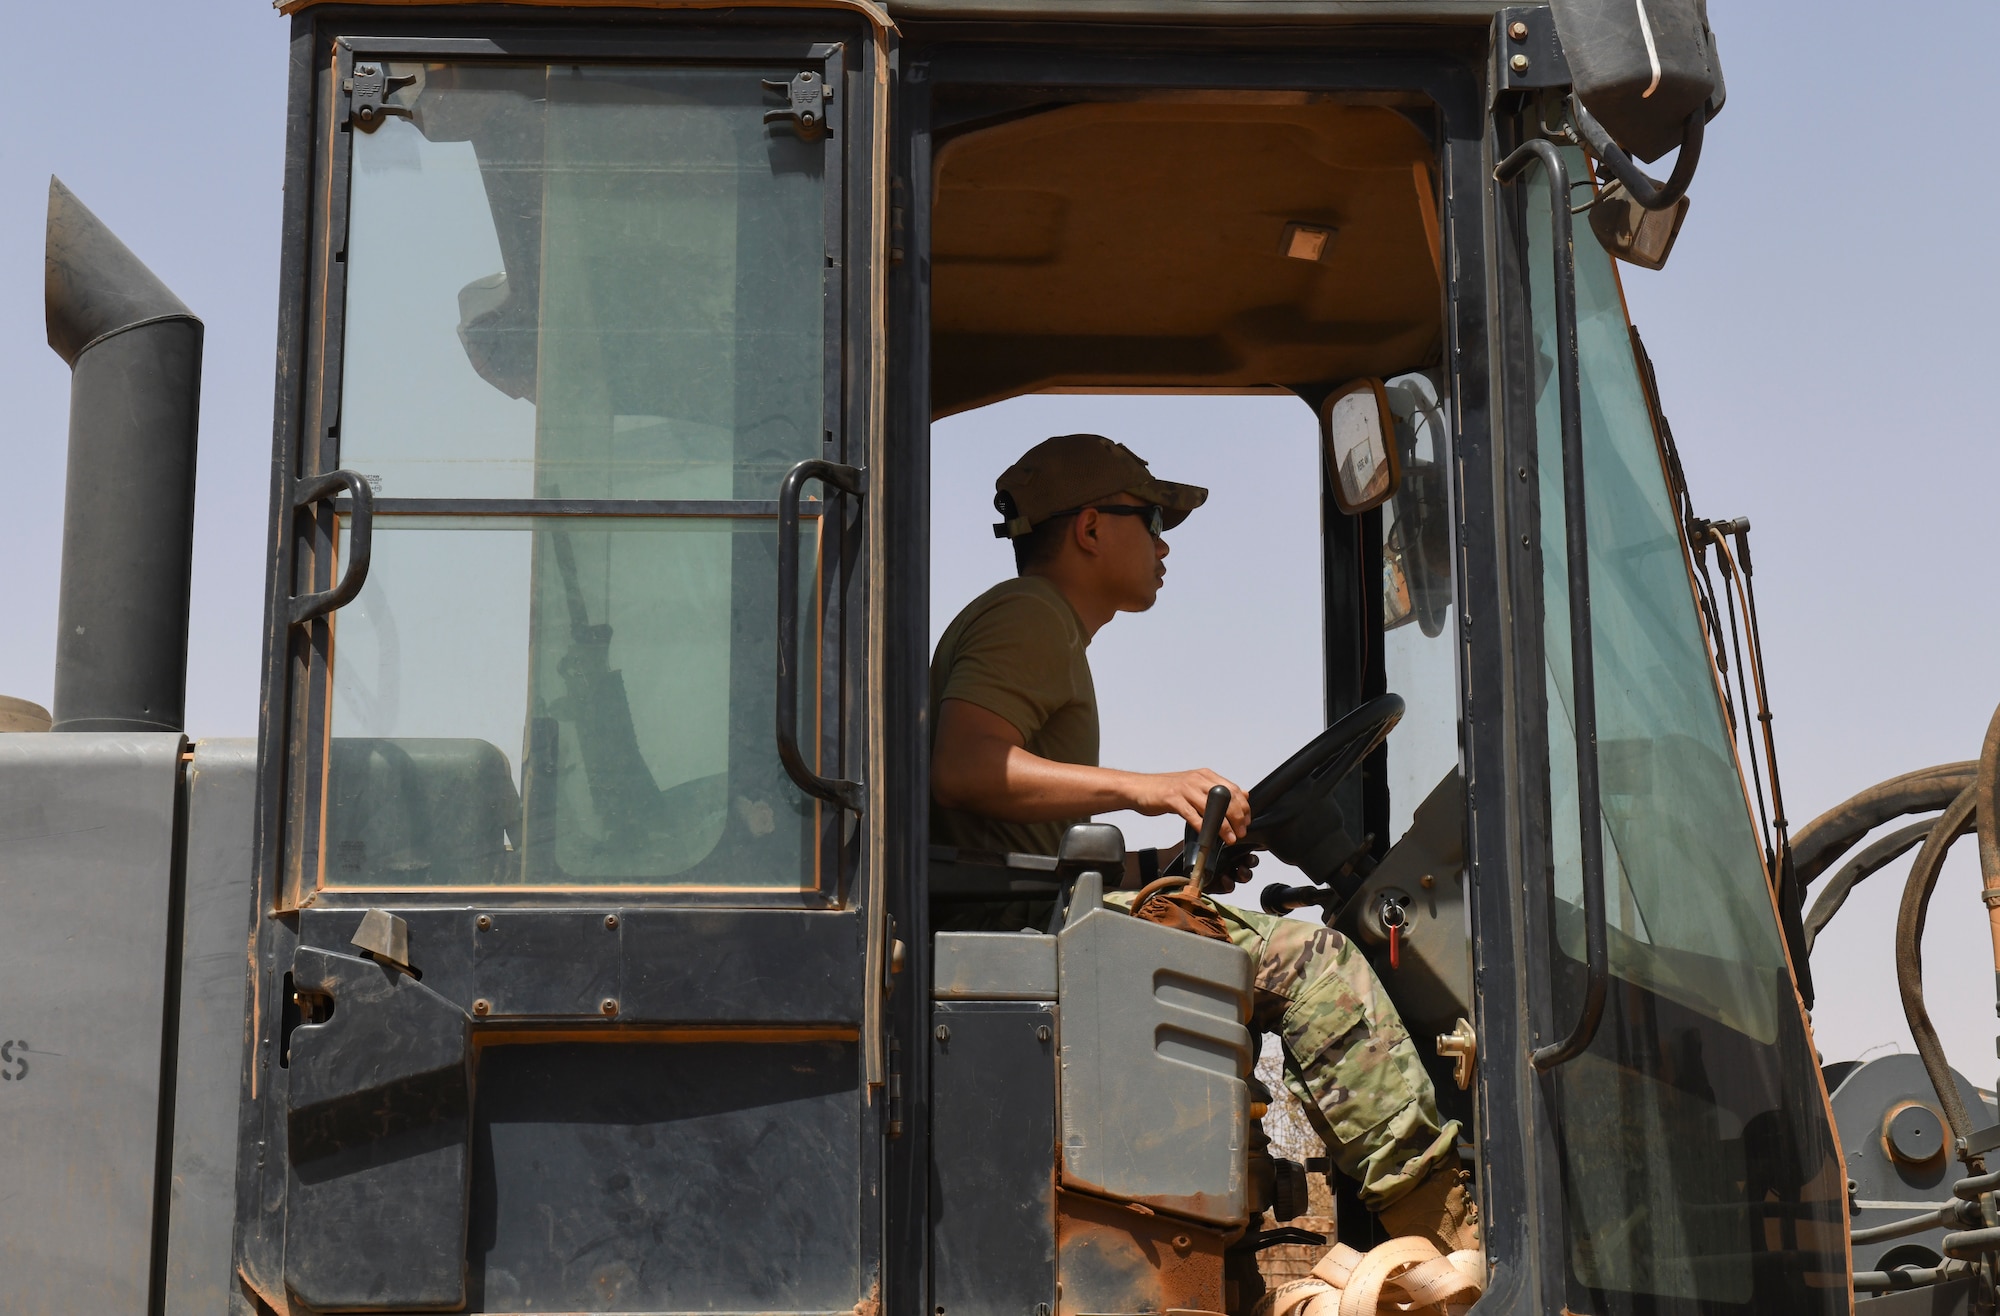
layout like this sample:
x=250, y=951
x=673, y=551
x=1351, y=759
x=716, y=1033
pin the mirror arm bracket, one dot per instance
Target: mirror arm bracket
x=1647, y=191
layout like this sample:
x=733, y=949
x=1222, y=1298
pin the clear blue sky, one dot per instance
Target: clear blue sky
x=1820, y=338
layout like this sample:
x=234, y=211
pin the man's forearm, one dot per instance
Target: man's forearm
x=1007, y=782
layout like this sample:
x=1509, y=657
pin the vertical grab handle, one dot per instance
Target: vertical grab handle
x=1583, y=673
x=360, y=540
x=850, y=480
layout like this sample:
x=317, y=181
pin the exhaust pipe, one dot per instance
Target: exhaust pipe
x=134, y=353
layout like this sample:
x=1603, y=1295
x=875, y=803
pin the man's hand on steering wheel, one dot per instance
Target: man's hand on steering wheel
x=1185, y=793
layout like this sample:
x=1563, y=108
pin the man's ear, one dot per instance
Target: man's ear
x=1084, y=529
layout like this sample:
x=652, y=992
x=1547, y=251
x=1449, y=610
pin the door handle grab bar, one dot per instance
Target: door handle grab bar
x=850, y=480
x=1583, y=671
x=360, y=540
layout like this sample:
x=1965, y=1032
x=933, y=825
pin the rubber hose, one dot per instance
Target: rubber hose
x=1820, y=843
x=1857, y=870
x=1902, y=1278
x=1972, y=1243
x=1910, y=961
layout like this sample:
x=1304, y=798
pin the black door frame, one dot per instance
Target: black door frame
x=1523, y=1219
x=300, y=549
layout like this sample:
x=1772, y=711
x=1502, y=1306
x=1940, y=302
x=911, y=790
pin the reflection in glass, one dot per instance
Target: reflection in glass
x=583, y=282
x=563, y=700
x=1420, y=652
x=1699, y=1171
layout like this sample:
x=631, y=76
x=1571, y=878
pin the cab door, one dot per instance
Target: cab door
x=1697, y=1166
x=569, y=924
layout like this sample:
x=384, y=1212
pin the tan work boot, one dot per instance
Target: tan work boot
x=1439, y=1208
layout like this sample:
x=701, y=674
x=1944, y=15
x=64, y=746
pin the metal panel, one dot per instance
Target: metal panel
x=995, y=966
x=87, y=824
x=376, y=1141
x=219, y=904
x=993, y=1134
x=656, y=965
x=1888, y=1186
x=742, y=966
x=1119, y=1259
x=667, y=1177
x=1155, y=1052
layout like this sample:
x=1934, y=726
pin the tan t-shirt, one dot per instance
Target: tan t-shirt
x=1018, y=651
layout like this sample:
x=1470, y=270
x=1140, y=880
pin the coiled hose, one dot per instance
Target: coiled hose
x=1973, y=807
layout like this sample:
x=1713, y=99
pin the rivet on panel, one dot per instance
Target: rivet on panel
x=611, y=922
x=482, y=1007
x=1043, y=1033
x=483, y=922
x=943, y=1033
x=610, y=1008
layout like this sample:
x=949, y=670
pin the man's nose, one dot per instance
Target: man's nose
x=1160, y=547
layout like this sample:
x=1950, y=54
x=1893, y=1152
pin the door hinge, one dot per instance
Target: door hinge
x=368, y=86
x=806, y=96
x=897, y=192
x=894, y=1110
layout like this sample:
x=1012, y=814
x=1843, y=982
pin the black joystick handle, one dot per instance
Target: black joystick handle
x=1210, y=840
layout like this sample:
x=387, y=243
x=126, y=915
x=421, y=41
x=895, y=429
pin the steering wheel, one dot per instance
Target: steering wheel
x=1292, y=811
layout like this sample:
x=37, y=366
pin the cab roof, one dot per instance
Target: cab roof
x=1243, y=11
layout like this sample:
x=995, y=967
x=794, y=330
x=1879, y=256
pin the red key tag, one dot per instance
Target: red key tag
x=1395, y=945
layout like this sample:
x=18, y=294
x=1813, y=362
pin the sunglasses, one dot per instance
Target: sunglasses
x=1156, y=516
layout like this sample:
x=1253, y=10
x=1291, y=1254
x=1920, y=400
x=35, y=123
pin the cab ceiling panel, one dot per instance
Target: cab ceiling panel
x=1146, y=245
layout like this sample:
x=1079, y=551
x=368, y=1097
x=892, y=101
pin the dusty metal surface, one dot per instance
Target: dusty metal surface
x=994, y=966
x=219, y=905
x=1154, y=1051
x=87, y=883
x=1114, y=1257
x=993, y=1136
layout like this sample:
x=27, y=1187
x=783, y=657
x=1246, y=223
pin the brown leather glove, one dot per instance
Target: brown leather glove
x=1176, y=907
x=1440, y=1208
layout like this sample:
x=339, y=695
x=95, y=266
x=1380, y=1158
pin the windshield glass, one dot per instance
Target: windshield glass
x=1699, y=1171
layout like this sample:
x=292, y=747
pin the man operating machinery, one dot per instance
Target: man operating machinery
x=1014, y=763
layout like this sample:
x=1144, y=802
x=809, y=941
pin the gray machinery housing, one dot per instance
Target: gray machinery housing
x=1091, y=1107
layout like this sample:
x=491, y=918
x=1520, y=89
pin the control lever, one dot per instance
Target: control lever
x=1210, y=840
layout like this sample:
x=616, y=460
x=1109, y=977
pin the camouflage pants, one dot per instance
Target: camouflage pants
x=1348, y=1058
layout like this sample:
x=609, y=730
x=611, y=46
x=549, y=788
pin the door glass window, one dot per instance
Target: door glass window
x=1419, y=643
x=584, y=282
x=1698, y=1171
x=584, y=340
x=563, y=700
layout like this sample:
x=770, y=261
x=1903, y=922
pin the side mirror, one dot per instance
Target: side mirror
x=1358, y=431
x=1633, y=233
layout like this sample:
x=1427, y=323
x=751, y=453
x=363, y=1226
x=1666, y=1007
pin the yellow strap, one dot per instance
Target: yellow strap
x=1363, y=1294
x=1292, y=1297
x=1402, y=1277
x=1337, y=1266
x=1434, y=1283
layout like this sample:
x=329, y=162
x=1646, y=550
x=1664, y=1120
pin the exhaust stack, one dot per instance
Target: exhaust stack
x=134, y=352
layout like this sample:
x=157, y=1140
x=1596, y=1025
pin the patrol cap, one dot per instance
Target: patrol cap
x=1073, y=470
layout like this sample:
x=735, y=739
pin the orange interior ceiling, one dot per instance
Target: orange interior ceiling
x=1140, y=245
